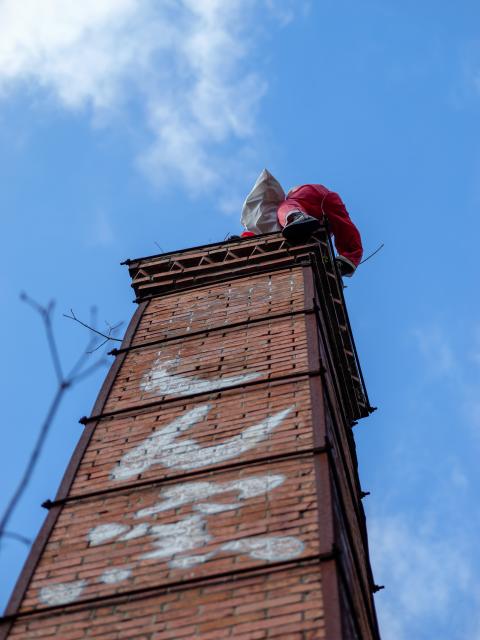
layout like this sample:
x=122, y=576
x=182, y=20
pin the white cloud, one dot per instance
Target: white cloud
x=425, y=572
x=434, y=346
x=182, y=66
x=101, y=231
x=458, y=477
x=470, y=66
x=470, y=405
x=71, y=48
x=475, y=349
x=457, y=366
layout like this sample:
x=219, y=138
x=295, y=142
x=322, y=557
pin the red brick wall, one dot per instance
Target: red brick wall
x=115, y=436
x=287, y=510
x=285, y=604
x=204, y=503
x=269, y=349
x=224, y=304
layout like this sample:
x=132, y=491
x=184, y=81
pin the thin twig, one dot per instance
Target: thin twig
x=110, y=331
x=372, y=254
x=89, y=370
x=17, y=536
x=28, y=471
x=77, y=373
x=91, y=328
x=99, y=346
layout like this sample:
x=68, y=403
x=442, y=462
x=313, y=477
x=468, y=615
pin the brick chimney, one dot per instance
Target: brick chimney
x=214, y=492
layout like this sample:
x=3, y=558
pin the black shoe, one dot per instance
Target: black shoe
x=300, y=229
x=344, y=267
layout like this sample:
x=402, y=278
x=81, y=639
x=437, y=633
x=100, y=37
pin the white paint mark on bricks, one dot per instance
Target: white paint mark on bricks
x=136, y=532
x=115, y=575
x=210, y=508
x=106, y=532
x=161, y=381
x=269, y=548
x=189, y=534
x=292, y=284
x=174, y=542
x=160, y=448
x=200, y=492
x=184, y=535
x=188, y=562
x=195, y=457
x=272, y=549
x=62, y=593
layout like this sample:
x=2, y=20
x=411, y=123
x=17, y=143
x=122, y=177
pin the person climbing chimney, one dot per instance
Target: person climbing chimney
x=298, y=214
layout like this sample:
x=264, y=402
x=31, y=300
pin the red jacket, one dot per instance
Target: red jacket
x=318, y=201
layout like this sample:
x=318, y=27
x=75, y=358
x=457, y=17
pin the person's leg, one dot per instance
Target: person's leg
x=297, y=225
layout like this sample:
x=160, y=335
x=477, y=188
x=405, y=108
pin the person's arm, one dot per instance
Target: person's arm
x=346, y=236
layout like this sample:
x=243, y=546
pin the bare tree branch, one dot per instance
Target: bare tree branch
x=78, y=372
x=89, y=370
x=46, y=314
x=28, y=471
x=17, y=536
x=107, y=337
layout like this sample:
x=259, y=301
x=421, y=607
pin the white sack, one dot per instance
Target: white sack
x=259, y=213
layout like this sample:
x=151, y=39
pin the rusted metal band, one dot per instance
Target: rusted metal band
x=180, y=477
x=217, y=328
x=183, y=398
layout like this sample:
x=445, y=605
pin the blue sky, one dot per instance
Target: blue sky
x=125, y=124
